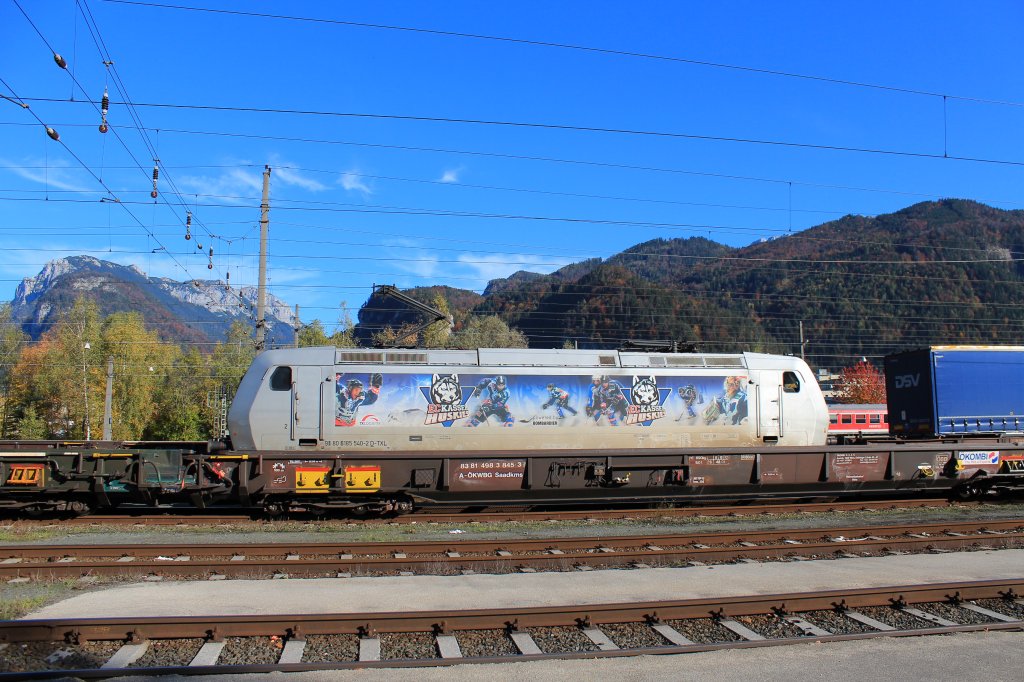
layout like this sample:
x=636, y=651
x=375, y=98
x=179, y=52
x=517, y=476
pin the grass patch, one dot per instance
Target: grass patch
x=18, y=600
x=18, y=607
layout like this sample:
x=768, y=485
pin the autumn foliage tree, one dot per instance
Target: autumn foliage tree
x=860, y=384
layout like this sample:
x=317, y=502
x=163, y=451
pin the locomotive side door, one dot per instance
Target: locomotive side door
x=306, y=405
x=769, y=405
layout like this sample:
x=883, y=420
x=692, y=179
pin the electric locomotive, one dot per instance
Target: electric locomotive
x=357, y=400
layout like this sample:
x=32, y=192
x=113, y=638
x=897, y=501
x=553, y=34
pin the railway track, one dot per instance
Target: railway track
x=253, y=516
x=95, y=648
x=22, y=563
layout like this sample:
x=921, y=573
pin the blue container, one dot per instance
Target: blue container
x=945, y=390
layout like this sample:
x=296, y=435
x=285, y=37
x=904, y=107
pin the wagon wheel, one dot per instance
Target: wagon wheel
x=967, y=492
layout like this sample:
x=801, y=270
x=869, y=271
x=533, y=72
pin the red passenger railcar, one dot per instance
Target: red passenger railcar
x=852, y=423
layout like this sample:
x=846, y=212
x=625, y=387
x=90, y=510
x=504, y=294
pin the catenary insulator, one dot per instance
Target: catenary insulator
x=54, y=135
x=60, y=61
x=104, y=108
x=188, y=225
x=156, y=176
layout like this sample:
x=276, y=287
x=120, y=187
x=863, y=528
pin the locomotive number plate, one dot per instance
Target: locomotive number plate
x=362, y=479
x=26, y=474
x=312, y=479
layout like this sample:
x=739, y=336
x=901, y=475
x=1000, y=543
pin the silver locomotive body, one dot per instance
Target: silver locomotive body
x=359, y=400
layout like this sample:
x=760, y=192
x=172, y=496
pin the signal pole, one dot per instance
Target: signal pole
x=261, y=296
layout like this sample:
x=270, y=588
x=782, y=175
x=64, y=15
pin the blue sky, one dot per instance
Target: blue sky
x=359, y=200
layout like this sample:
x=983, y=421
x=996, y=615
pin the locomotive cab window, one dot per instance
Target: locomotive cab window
x=790, y=382
x=281, y=379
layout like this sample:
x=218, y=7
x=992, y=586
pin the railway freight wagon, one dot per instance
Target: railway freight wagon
x=313, y=399
x=378, y=431
x=956, y=391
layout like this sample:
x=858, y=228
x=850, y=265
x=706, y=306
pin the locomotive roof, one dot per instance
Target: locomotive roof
x=521, y=357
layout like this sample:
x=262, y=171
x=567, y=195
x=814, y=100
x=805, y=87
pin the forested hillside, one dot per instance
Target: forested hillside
x=937, y=272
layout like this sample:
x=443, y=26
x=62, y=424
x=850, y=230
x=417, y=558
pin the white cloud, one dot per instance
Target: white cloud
x=409, y=257
x=244, y=182
x=457, y=269
x=56, y=175
x=451, y=175
x=287, y=174
x=234, y=185
x=290, y=176
x=353, y=181
x=493, y=266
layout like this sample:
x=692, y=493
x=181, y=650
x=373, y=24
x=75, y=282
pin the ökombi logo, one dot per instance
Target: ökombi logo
x=978, y=457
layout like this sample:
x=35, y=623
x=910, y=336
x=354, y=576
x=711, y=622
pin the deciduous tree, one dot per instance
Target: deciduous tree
x=860, y=384
x=181, y=412
x=140, y=362
x=61, y=378
x=488, y=332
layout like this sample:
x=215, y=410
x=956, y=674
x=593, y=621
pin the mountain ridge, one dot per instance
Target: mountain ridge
x=197, y=311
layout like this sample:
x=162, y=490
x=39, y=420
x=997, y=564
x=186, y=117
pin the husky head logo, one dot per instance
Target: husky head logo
x=445, y=389
x=645, y=391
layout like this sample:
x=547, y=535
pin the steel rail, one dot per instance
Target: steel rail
x=367, y=627
x=366, y=624
x=235, y=560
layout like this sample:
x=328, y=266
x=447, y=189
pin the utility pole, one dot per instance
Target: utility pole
x=261, y=296
x=296, y=325
x=802, y=342
x=108, y=417
x=85, y=388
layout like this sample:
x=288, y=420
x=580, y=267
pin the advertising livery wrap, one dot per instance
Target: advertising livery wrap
x=533, y=401
x=521, y=400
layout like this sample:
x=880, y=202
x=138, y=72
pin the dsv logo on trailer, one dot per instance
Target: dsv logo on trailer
x=908, y=380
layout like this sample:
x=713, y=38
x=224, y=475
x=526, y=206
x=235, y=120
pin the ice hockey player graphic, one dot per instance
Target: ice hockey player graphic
x=559, y=397
x=690, y=397
x=606, y=400
x=731, y=405
x=351, y=396
x=494, y=403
